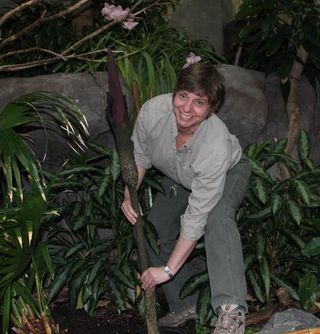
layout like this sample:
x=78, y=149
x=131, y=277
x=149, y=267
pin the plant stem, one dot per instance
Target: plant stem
x=130, y=176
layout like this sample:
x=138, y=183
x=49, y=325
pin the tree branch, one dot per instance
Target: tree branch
x=65, y=54
x=293, y=110
x=17, y=9
x=42, y=19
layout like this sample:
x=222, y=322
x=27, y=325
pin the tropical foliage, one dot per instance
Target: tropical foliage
x=92, y=245
x=279, y=225
x=274, y=32
x=25, y=261
x=49, y=111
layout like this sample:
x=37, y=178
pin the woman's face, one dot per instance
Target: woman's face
x=190, y=110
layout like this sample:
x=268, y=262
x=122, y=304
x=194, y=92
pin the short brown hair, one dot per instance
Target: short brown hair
x=204, y=80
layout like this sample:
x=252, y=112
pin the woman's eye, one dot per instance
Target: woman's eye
x=200, y=103
x=182, y=96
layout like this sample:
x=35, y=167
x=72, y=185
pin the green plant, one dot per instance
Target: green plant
x=25, y=261
x=278, y=29
x=286, y=38
x=25, y=266
x=92, y=246
x=279, y=223
x=279, y=226
x=41, y=110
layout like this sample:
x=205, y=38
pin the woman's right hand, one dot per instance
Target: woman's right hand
x=127, y=208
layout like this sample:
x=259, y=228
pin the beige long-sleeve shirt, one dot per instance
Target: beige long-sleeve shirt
x=200, y=165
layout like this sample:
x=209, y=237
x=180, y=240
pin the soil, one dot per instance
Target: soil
x=107, y=320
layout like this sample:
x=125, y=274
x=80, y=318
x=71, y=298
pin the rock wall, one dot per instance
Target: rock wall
x=203, y=19
x=88, y=89
x=253, y=110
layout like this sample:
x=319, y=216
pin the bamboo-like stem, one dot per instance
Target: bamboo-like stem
x=292, y=107
x=119, y=119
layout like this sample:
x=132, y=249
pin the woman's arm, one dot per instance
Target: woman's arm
x=156, y=275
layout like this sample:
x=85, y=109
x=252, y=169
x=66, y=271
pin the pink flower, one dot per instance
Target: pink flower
x=107, y=11
x=116, y=13
x=129, y=24
x=191, y=60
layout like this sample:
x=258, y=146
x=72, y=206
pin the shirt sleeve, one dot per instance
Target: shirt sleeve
x=139, y=140
x=206, y=191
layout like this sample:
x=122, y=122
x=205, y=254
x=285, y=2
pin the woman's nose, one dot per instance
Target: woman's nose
x=188, y=105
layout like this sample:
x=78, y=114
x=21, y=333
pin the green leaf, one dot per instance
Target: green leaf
x=280, y=145
x=312, y=248
x=119, y=276
x=260, y=189
x=80, y=222
x=261, y=243
x=193, y=284
x=293, y=236
x=75, y=249
x=303, y=190
x=288, y=161
x=304, y=145
x=116, y=296
x=316, y=224
x=94, y=273
x=58, y=283
x=261, y=214
x=294, y=211
x=255, y=286
x=62, y=278
x=6, y=307
x=259, y=170
x=265, y=275
x=308, y=290
x=276, y=203
x=274, y=44
x=203, y=304
x=283, y=284
x=75, y=286
x=250, y=150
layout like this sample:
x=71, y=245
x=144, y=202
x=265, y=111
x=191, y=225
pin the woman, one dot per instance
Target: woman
x=205, y=181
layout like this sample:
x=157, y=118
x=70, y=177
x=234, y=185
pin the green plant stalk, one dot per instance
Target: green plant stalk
x=118, y=117
x=130, y=176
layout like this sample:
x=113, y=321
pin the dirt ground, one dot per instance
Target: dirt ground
x=107, y=320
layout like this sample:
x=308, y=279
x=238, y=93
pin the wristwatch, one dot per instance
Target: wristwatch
x=168, y=271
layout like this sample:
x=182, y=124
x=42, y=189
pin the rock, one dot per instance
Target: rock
x=289, y=320
x=88, y=89
x=253, y=110
x=245, y=108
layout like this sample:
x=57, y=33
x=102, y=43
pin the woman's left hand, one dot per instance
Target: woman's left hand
x=153, y=276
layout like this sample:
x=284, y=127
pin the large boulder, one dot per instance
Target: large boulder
x=88, y=90
x=245, y=109
x=254, y=109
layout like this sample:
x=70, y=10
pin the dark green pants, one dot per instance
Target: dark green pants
x=222, y=241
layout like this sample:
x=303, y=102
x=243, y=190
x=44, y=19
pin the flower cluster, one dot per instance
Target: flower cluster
x=191, y=60
x=118, y=14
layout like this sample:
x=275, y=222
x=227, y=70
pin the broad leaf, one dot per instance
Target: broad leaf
x=312, y=248
x=193, y=283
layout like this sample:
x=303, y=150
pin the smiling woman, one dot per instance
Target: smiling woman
x=190, y=110
x=205, y=181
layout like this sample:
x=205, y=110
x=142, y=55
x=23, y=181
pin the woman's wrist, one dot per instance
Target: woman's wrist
x=167, y=269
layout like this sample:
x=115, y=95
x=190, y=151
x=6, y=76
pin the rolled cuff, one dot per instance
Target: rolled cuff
x=190, y=232
x=141, y=161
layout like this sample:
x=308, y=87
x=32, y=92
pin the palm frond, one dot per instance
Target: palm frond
x=45, y=110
